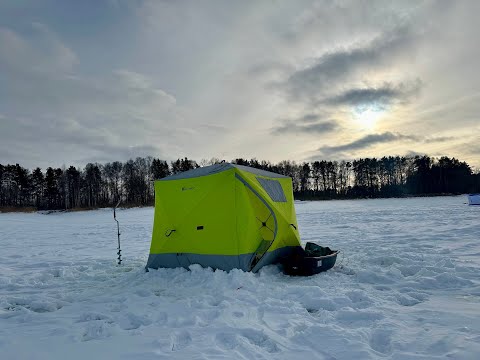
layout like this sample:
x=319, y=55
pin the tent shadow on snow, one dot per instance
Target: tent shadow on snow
x=228, y=216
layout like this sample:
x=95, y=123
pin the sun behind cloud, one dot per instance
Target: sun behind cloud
x=367, y=117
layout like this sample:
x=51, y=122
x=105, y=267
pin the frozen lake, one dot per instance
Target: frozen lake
x=406, y=286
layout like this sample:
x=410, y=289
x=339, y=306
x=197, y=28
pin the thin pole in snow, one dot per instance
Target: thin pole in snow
x=119, y=253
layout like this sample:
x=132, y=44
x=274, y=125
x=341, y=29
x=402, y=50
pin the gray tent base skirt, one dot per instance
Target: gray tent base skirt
x=222, y=262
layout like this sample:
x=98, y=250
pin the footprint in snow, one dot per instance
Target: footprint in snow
x=132, y=321
x=406, y=300
x=226, y=341
x=44, y=306
x=92, y=316
x=238, y=314
x=180, y=340
x=261, y=340
x=96, y=330
x=381, y=341
x=205, y=317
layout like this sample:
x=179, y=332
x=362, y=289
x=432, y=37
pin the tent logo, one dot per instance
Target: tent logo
x=188, y=188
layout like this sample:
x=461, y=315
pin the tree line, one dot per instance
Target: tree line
x=103, y=185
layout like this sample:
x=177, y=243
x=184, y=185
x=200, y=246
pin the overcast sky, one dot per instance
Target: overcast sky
x=97, y=81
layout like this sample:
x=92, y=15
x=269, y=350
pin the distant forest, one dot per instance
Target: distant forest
x=103, y=185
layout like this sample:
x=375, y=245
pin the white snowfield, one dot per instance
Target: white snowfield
x=406, y=287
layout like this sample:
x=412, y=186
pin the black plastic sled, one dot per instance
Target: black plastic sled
x=313, y=260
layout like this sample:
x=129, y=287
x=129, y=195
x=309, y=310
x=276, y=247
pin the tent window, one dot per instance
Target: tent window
x=273, y=189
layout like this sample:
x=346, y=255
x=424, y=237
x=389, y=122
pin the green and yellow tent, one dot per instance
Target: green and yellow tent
x=223, y=216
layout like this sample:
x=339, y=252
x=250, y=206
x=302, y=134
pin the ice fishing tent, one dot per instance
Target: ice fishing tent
x=223, y=216
x=474, y=199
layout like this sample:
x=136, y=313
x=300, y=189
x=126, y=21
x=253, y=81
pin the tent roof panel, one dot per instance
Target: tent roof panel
x=217, y=168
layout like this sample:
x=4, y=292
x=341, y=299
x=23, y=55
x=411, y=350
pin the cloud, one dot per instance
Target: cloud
x=64, y=115
x=270, y=69
x=309, y=118
x=470, y=145
x=365, y=142
x=334, y=66
x=305, y=125
x=375, y=139
x=439, y=139
x=412, y=153
x=42, y=53
x=379, y=97
x=121, y=153
x=474, y=149
x=212, y=128
x=332, y=20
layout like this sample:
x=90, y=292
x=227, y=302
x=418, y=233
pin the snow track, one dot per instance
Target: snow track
x=407, y=288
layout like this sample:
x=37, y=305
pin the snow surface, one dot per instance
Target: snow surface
x=406, y=287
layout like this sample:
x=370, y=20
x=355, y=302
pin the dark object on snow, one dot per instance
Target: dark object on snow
x=313, y=260
x=119, y=253
x=312, y=250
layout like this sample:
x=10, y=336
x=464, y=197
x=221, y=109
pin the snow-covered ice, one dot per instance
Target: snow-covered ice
x=406, y=286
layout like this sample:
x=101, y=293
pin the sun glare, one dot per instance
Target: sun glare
x=367, y=117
